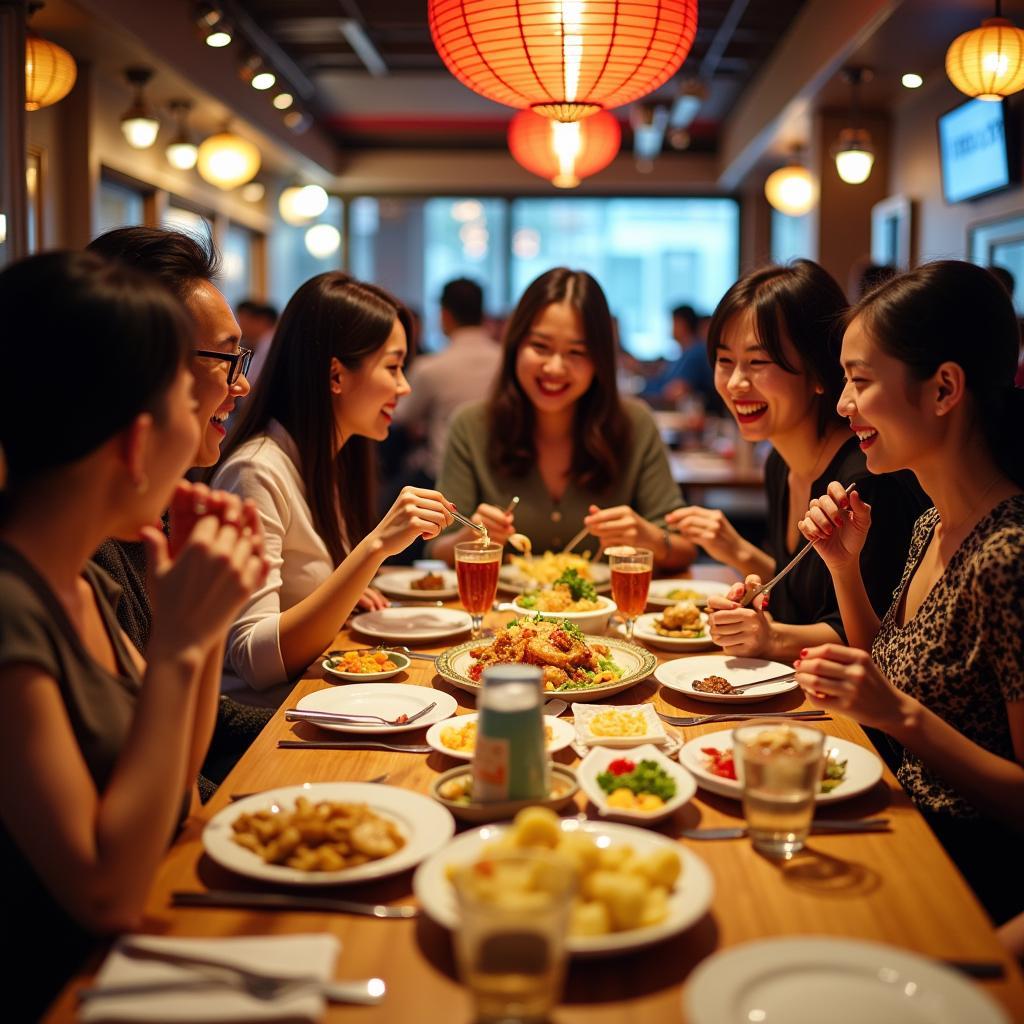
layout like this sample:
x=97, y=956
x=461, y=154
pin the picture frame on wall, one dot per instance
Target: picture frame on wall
x=892, y=232
x=1000, y=243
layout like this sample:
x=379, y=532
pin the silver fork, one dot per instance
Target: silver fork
x=257, y=984
x=331, y=718
x=686, y=722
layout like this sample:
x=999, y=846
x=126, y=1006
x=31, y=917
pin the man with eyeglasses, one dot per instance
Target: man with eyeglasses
x=187, y=267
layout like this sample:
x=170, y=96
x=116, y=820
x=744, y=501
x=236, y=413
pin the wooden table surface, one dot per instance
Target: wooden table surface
x=898, y=888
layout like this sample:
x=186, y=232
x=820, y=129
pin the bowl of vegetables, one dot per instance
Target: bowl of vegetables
x=570, y=597
x=640, y=785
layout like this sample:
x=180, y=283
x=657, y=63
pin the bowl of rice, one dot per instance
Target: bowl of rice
x=590, y=612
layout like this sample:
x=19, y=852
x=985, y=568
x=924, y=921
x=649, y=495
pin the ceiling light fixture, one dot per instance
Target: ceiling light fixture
x=853, y=152
x=323, y=240
x=561, y=153
x=912, y=80
x=215, y=28
x=283, y=100
x=139, y=124
x=263, y=80
x=254, y=191
x=182, y=151
x=565, y=59
x=648, y=121
x=299, y=204
x=792, y=189
x=227, y=160
x=50, y=71
x=987, y=63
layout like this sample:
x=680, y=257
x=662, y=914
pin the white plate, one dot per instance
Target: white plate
x=511, y=579
x=687, y=903
x=397, y=583
x=401, y=660
x=418, y=625
x=863, y=766
x=810, y=979
x=598, y=760
x=658, y=594
x=385, y=700
x=426, y=825
x=562, y=734
x=654, y=731
x=637, y=664
x=644, y=631
x=680, y=674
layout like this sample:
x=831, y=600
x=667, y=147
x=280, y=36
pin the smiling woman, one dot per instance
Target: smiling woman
x=302, y=453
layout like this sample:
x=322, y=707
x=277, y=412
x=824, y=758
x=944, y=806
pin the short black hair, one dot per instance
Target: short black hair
x=177, y=259
x=688, y=315
x=1004, y=277
x=254, y=308
x=873, y=275
x=464, y=300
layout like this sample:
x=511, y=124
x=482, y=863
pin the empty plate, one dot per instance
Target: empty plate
x=419, y=625
x=385, y=700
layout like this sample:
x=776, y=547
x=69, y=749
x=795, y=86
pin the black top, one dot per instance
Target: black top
x=807, y=595
x=35, y=630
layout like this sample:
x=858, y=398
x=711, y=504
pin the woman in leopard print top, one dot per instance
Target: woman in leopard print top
x=930, y=358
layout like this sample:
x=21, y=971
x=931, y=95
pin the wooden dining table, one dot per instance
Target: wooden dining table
x=897, y=887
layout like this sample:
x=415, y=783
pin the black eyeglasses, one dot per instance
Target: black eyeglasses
x=238, y=362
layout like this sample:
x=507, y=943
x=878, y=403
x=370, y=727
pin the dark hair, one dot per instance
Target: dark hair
x=179, y=260
x=801, y=302
x=951, y=311
x=1004, y=277
x=688, y=315
x=108, y=339
x=872, y=276
x=260, y=309
x=464, y=300
x=331, y=316
x=601, y=429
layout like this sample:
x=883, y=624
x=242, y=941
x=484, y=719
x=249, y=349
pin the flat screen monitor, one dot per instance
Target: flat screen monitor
x=974, y=151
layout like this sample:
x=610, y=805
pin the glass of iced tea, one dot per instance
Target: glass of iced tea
x=476, y=567
x=779, y=766
x=631, y=579
x=510, y=942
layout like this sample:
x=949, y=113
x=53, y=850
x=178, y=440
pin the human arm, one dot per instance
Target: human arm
x=709, y=528
x=622, y=525
x=847, y=680
x=752, y=632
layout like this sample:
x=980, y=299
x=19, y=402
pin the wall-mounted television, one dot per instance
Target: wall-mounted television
x=975, y=150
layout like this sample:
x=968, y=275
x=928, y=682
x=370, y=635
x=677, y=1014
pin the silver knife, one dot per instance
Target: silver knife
x=285, y=901
x=822, y=826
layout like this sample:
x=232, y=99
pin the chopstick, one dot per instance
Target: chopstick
x=460, y=518
x=579, y=536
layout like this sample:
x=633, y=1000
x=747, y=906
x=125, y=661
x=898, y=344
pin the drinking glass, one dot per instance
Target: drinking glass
x=631, y=579
x=476, y=567
x=779, y=766
x=510, y=941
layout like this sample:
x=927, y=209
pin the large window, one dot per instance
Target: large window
x=648, y=254
x=791, y=237
x=236, y=255
x=298, y=253
x=119, y=206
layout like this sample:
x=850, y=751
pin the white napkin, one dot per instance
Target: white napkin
x=301, y=955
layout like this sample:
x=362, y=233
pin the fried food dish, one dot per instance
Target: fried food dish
x=430, y=581
x=325, y=836
x=713, y=684
x=565, y=658
x=569, y=593
x=682, y=621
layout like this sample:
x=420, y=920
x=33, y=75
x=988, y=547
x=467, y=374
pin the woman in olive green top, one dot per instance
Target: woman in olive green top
x=556, y=433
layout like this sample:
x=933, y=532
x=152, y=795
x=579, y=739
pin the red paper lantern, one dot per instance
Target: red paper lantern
x=562, y=153
x=566, y=59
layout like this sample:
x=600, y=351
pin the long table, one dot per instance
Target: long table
x=898, y=887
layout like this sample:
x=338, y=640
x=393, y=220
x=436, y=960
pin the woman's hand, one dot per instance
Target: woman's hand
x=190, y=502
x=417, y=512
x=500, y=524
x=621, y=525
x=373, y=600
x=197, y=595
x=742, y=632
x=837, y=524
x=710, y=529
x=847, y=680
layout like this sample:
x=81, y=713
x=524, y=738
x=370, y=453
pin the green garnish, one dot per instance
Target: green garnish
x=647, y=777
x=835, y=772
x=579, y=588
x=528, y=601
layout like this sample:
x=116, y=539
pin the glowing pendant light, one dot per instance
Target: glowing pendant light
x=566, y=59
x=853, y=152
x=139, y=124
x=988, y=62
x=564, y=153
x=50, y=72
x=227, y=161
x=323, y=240
x=181, y=151
x=792, y=189
x=300, y=204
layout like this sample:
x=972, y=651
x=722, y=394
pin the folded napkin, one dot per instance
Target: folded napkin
x=301, y=955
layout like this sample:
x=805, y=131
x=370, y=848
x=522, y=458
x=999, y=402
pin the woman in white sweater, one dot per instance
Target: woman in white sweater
x=302, y=451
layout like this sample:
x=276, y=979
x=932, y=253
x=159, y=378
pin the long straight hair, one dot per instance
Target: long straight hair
x=331, y=316
x=601, y=429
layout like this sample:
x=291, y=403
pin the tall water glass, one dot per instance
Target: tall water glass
x=510, y=941
x=631, y=580
x=476, y=568
x=779, y=766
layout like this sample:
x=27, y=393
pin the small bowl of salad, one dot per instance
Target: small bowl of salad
x=570, y=597
x=640, y=785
